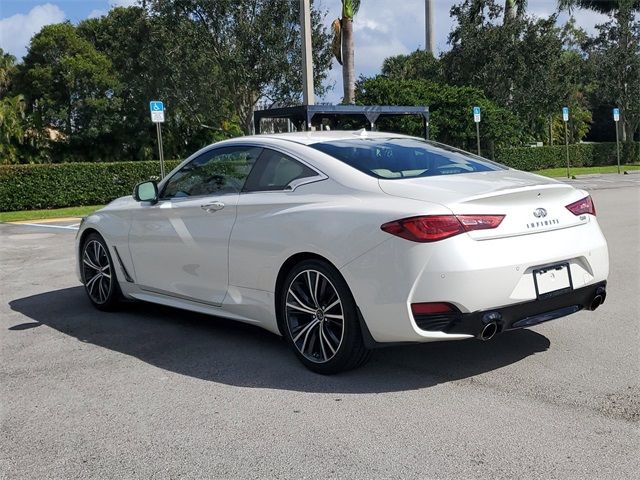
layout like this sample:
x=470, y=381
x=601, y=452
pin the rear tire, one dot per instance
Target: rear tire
x=98, y=274
x=320, y=318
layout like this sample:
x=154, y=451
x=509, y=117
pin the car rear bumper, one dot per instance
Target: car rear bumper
x=527, y=314
x=474, y=277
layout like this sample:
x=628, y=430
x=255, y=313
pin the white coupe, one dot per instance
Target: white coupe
x=344, y=241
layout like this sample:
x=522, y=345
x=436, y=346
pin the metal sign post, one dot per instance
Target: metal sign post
x=476, y=119
x=616, y=118
x=157, y=116
x=565, y=118
x=307, y=57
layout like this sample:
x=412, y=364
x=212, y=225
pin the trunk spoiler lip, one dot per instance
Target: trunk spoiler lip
x=525, y=188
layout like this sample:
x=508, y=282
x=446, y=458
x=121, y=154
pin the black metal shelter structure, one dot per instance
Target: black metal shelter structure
x=303, y=116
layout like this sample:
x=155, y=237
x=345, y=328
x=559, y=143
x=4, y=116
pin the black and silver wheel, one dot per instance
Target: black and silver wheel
x=98, y=274
x=320, y=318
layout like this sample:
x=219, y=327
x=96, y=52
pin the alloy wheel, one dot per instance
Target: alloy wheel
x=315, y=316
x=96, y=271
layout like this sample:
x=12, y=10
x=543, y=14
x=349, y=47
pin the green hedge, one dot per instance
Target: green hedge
x=538, y=158
x=28, y=187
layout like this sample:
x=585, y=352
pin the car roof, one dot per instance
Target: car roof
x=308, y=138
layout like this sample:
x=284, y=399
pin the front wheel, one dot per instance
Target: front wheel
x=320, y=318
x=98, y=273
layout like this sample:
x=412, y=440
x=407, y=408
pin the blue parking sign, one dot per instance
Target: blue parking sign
x=476, y=114
x=157, y=111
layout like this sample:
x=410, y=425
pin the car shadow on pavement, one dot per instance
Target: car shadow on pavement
x=219, y=350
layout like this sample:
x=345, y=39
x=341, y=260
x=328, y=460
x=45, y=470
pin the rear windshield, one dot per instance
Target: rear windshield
x=392, y=158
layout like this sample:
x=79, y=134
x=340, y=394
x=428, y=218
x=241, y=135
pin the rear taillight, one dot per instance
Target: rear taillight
x=582, y=206
x=431, y=228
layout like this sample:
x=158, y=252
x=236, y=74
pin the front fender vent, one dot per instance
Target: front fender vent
x=127, y=277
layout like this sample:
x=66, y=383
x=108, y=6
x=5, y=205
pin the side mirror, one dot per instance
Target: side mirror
x=146, y=192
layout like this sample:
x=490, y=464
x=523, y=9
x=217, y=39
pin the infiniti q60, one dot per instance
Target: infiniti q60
x=344, y=241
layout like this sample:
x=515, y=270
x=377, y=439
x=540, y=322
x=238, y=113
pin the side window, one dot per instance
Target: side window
x=218, y=171
x=274, y=171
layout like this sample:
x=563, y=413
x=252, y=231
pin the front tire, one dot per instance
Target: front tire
x=98, y=273
x=320, y=318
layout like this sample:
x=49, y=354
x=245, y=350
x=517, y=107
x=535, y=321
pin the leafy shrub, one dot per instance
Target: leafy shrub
x=26, y=187
x=538, y=158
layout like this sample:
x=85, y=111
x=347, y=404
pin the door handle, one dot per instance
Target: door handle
x=212, y=207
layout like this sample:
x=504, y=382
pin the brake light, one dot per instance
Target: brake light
x=431, y=228
x=582, y=206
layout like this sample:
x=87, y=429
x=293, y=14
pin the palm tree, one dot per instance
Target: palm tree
x=343, y=47
x=7, y=71
x=12, y=128
x=514, y=9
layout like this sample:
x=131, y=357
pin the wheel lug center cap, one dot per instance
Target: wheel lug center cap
x=320, y=314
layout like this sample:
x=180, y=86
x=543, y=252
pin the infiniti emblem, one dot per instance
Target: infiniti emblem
x=539, y=213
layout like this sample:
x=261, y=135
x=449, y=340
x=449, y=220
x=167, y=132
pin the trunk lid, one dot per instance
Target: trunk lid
x=530, y=203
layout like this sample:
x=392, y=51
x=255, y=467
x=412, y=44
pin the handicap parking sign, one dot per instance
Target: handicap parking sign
x=157, y=111
x=476, y=114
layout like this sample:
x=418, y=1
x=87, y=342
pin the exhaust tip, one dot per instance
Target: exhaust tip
x=596, y=302
x=488, y=332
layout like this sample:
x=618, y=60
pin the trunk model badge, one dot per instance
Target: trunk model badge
x=539, y=213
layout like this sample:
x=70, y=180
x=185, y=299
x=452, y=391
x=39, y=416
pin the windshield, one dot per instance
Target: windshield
x=394, y=158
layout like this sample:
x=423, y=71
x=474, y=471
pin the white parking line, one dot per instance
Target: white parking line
x=41, y=225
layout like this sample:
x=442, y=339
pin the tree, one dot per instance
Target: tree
x=614, y=55
x=7, y=71
x=532, y=69
x=450, y=110
x=256, y=44
x=12, y=128
x=343, y=43
x=514, y=9
x=601, y=6
x=155, y=62
x=418, y=65
x=70, y=88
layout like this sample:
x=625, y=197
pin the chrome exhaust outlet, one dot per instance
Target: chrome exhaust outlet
x=599, y=298
x=488, y=331
x=596, y=302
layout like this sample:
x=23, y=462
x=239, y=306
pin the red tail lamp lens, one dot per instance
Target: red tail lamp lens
x=582, y=206
x=431, y=228
x=431, y=308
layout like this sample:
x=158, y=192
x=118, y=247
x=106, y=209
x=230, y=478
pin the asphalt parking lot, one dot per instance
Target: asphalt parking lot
x=152, y=392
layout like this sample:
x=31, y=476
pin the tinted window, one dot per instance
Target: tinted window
x=218, y=171
x=275, y=170
x=404, y=157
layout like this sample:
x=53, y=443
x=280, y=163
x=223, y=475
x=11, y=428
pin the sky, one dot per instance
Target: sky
x=382, y=28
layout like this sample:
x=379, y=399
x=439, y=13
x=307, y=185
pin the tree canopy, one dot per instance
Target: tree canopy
x=87, y=87
x=530, y=67
x=82, y=91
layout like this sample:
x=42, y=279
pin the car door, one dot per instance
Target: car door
x=180, y=245
x=268, y=213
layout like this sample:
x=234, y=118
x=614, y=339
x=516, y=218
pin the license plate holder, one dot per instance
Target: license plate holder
x=552, y=280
